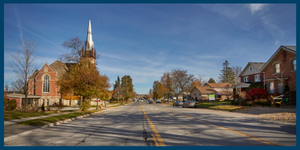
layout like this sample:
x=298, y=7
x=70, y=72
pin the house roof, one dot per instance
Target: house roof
x=257, y=65
x=34, y=74
x=205, y=89
x=218, y=85
x=242, y=85
x=56, y=66
x=291, y=49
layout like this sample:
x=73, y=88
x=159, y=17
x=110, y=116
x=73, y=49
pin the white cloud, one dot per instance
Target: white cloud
x=256, y=7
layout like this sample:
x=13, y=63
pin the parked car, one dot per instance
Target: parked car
x=177, y=103
x=150, y=101
x=189, y=103
x=141, y=100
x=158, y=101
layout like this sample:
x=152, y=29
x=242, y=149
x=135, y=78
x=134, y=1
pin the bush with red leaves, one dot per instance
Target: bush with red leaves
x=254, y=94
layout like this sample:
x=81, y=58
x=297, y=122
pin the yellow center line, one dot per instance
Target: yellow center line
x=234, y=131
x=161, y=142
x=154, y=139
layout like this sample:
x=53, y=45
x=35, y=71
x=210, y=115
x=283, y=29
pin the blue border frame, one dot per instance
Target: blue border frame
x=145, y=1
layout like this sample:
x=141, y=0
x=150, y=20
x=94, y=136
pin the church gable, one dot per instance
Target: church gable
x=46, y=68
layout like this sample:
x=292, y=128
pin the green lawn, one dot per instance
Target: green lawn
x=222, y=105
x=9, y=115
x=48, y=120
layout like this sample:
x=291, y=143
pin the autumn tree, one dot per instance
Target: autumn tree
x=211, y=80
x=194, y=83
x=227, y=74
x=167, y=81
x=156, y=91
x=181, y=81
x=84, y=79
x=23, y=64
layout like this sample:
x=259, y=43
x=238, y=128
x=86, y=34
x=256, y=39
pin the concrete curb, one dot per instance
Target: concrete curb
x=52, y=124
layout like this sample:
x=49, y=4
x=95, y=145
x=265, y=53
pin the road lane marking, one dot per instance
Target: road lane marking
x=161, y=142
x=234, y=131
x=154, y=139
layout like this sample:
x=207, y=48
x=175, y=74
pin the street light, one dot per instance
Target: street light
x=97, y=101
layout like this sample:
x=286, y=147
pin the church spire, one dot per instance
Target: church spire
x=89, y=43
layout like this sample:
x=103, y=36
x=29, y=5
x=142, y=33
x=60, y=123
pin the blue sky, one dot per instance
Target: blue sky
x=145, y=40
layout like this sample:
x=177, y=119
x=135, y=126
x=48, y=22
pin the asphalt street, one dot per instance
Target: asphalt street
x=144, y=124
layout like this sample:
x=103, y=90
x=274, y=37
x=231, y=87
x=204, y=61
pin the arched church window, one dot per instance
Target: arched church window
x=46, y=84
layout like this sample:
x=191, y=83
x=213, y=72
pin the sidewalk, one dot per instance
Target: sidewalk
x=10, y=122
x=11, y=128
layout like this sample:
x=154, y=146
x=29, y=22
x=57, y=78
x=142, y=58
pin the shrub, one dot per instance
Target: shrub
x=255, y=85
x=257, y=94
x=10, y=105
x=58, y=105
x=85, y=105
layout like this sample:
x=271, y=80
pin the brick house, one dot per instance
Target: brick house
x=202, y=92
x=251, y=73
x=280, y=70
x=42, y=83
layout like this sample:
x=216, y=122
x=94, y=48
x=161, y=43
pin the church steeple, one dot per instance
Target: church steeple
x=89, y=43
x=88, y=49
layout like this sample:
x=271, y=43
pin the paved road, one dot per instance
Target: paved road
x=143, y=124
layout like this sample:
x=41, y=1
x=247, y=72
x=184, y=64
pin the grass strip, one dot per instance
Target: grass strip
x=223, y=107
x=10, y=115
x=48, y=120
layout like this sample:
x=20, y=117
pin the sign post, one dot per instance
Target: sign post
x=211, y=97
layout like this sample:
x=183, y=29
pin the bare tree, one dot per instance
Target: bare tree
x=75, y=47
x=24, y=65
x=6, y=88
x=18, y=85
x=237, y=70
x=181, y=81
x=202, y=80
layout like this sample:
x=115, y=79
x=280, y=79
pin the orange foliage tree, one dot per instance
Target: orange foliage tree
x=84, y=79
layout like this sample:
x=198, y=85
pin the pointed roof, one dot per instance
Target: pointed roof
x=205, y=89
x=89, y=43
x=218, y=85
x=257, y=65
x=60, y=67
x=291, y=49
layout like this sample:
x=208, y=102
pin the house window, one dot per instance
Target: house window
x=250, y=68
x=257, y=78
x=294, y=65
x=277, y=68
x=271, y=87
x=246, y=79
x=46, y=84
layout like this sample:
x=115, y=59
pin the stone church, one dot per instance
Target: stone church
x=42, y=83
